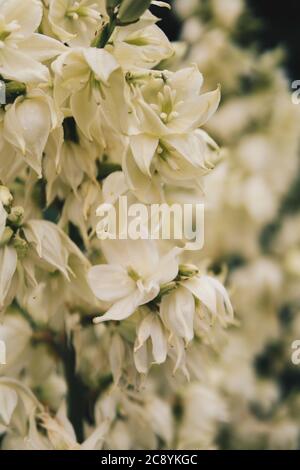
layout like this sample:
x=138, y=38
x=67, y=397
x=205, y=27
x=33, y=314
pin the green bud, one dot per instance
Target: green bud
x=16, y=215
x=6, y=236
x=21, y=246
x=5, y=196
x=131, y=10
x=187, y=270
x=167, y=288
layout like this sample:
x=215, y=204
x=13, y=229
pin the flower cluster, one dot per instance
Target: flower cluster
x=91, y=113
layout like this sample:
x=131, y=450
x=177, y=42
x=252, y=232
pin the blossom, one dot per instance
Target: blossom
x=89, y=115
x=51, y=245
x=27, y=125
x=132, y=278
x=140, y=45
x=150, y=327
x=23, y=50
x=76, y=22
x=82, y=77
x=198, y=303
x=164, y=138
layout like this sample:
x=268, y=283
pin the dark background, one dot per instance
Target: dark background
x=278, y=25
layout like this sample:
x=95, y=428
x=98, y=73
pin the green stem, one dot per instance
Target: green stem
x=77, y=391
x=102, y=39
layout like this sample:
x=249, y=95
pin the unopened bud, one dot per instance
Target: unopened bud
x=131, y=10
x=16, y=215
x=21, y=246
x=188, y=270
x=167, y=288
x=5, y=196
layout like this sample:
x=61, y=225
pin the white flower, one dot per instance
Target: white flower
x=51, y=245
x=141, y=44
x=150, y=328
x=132, y=278
x=21, y=49
x=198, y=303
x=177, y=312
x=213, y=296
x=28, y=123
x=164, y=138
x=61, y=434
x=82, y=81
x=16, y=334
x=76, y=22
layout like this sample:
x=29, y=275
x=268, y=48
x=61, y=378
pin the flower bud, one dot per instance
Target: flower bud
x=5, y=196
x=21, y=246
x=131, y=10
x=167, y=288
x=187, y=270
x=16, y=215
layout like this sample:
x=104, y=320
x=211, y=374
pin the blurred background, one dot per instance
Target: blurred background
x=276, y=25
x=252, y=48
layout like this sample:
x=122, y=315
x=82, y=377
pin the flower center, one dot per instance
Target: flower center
x=166, y=105
x=78, y=11
x=6, y=29
x=133, y=274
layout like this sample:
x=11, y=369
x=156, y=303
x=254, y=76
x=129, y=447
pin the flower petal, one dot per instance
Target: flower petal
x=8, y=265
x=122, y=308
x=110, y=283
x=143, y=147
x=28, y=14
x=15, y=65
x=41, y=48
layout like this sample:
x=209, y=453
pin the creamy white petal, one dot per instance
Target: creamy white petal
x=141, y=359
x=48, y=243
x=28, y=14
x=15, y=65
x=8, y=403
x=41, y=47
x=101, y=63
x=8, y=265
x=139, y=255
x=122, y=308
x=159, y=341
x=201, y=288
x=167, y=268
x=187, y=82
x=177, y=312
x=143, y=148
x=196, y=111
x=84, y=109
x=110, y=282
